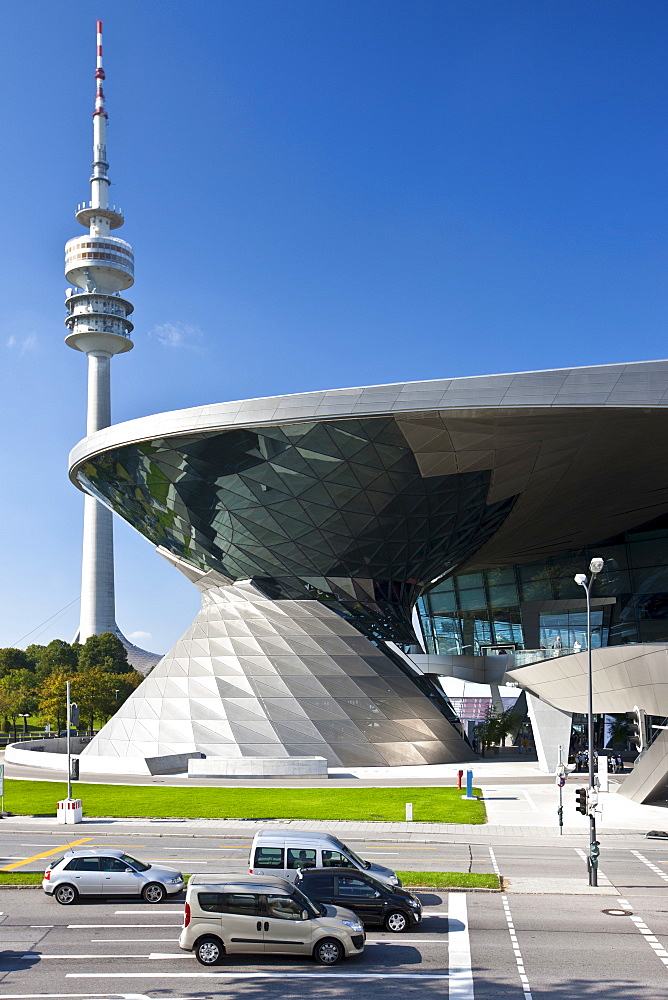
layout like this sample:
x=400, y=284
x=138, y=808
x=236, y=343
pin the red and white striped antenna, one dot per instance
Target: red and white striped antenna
x=99, y=75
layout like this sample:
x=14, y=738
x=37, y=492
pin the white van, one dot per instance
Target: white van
x=284, y=852
x=251, y=914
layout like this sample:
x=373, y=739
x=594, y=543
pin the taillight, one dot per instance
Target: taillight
x=250, y=871
x=186, y=915
x=47, y=874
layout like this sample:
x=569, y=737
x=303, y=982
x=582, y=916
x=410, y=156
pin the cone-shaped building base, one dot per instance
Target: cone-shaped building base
x=254, y=677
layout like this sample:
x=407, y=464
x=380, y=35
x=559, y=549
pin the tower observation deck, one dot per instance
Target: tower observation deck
x=99, y=267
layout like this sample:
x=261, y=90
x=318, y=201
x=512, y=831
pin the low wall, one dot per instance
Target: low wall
x=49, y=754
x=258, y=767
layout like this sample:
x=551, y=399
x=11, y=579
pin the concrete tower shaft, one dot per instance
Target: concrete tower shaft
x=99, y=266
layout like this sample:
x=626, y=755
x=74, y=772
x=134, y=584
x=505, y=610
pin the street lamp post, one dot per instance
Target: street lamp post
x=595, y=567
x=25, y=716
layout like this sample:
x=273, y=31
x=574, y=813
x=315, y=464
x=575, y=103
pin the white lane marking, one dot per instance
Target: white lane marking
x=253, y=975
x=460, y=986
x=87, y=996
x=650, y=938
x=163, y=913
x=37, y=954
x=180, y=954
x=521, y=971
x=657, y=871
x=132, y=940
x=406, y=940
x=89, y=926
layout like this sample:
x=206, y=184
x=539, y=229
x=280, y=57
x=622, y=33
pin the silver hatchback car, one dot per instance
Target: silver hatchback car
x=100, y=872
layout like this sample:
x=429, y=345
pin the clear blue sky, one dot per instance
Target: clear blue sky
x=320, y=193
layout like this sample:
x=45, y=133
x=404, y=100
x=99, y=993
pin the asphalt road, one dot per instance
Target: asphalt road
x=471, y=946
x=32, y=851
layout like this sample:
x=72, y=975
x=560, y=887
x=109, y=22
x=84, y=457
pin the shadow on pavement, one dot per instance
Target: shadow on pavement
x=14, y=960
x=429, y=898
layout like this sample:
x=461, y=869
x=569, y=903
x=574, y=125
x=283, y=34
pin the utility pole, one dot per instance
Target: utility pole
x=595, y=567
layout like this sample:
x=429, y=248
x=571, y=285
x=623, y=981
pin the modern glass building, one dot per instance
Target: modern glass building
x=314, y=524
x=538, y=605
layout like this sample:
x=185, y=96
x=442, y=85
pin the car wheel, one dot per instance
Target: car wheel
x=328, y=952
x=209, y=951
x=153, y=893
x=66, y=894
x=397, y=922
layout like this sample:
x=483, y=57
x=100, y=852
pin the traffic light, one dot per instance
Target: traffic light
x=74, y=769
x=636, y=729
x=581, y=800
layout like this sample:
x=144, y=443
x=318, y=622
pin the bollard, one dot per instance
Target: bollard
x=469, y=786
x=409, y=812
x=460, y=775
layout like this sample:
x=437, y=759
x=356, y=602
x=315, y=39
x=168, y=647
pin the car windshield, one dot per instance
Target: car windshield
x=304, y=901
x=133, y=863
x=354, y=857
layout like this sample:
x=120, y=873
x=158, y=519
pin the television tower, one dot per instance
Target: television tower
x=100, y=267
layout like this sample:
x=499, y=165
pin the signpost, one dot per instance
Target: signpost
x=69, y=758
x=2, y=786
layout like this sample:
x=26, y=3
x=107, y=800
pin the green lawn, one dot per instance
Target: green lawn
x=432, y=880
x=450, y=880
x=430, y=805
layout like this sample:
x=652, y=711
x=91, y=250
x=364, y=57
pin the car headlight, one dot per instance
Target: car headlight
x=177, y=878
x=354, y=925
x=394, y=880
x=414, y=902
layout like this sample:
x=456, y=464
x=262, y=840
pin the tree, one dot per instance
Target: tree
x=13, y=659
x=496, y=726
x=94, y=692
x=52, y=705
x=124, y=684
x=104, y=649
x=10, y=702
x=57, y=656
x=618, y=731
x=17, y=695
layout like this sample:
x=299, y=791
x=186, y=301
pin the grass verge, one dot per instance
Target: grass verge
x=432, y=880
x=430, y=805
x=450, y=880
x=21, y=878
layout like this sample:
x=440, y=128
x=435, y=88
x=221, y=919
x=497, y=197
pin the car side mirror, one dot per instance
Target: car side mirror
x=129, y=871
x=305, y=914
x=376, y=894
